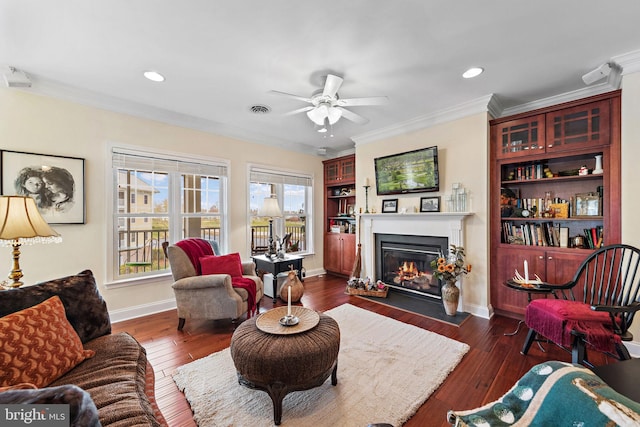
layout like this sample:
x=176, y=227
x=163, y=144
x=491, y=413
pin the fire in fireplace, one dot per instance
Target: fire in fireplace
x=404, y=262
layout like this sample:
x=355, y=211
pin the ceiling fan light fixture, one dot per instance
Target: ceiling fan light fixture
x=334, y=114
x=318, y=114
x=472, y=72
x=154, y=76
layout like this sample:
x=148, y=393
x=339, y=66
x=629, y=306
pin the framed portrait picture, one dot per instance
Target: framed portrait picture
x=430, y=204
x=390, y=206
x=55, y=182
x=587, y=204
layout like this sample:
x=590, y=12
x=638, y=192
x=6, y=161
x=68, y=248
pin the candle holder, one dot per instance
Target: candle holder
x=366, y=199
x=289, y=320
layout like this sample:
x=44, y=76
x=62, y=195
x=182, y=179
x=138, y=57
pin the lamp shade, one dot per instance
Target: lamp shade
x=21, y=222
x=270, y=208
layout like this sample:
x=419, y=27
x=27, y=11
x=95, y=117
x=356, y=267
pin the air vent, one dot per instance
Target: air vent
x=259, y=109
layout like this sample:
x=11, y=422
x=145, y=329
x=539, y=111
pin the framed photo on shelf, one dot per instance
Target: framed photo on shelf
x=430, y=204
x=390, y=206
x=55, y=182
x=586, y=204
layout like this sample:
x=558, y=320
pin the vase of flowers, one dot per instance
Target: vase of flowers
x=448, y=270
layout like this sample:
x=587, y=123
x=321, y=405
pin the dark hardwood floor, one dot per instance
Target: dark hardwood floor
x=489, y=369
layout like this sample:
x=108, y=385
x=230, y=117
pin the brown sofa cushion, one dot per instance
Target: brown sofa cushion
x=84, y=306
x=115, y=379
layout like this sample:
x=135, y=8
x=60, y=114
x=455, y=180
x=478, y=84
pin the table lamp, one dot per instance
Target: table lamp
x=22, y=224
x=271, y=209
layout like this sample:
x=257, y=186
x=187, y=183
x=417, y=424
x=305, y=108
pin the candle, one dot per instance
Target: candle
x=289, y=300
x=366, y=182
x=526, y=272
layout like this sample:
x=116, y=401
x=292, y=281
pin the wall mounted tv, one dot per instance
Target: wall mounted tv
x=411, y=172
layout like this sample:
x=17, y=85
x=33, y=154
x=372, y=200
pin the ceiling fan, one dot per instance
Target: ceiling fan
x=327, y=107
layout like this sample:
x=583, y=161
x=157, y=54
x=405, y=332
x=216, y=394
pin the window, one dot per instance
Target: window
x=294, y=192
x=182, y=198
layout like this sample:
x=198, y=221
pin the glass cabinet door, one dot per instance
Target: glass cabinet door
x=522, y=137
x=579, y=127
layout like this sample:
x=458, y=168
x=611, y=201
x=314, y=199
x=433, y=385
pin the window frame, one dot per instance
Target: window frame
x=279, y=223
x=174, y=212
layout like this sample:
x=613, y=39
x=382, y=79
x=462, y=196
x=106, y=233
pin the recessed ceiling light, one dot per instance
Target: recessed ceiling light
x=472, y=72
x=154, y=76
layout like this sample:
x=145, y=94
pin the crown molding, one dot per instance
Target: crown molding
x=630, y=62
x=613, y=82
x=422, y=122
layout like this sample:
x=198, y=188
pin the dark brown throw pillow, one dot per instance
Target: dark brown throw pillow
x=85, y=308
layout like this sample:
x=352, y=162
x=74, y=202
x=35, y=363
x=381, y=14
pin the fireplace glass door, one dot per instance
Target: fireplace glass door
x=404, y=262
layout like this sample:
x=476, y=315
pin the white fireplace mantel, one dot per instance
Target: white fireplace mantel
x=439, y=224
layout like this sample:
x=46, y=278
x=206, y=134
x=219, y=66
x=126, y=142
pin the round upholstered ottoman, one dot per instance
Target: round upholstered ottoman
x=282, y=363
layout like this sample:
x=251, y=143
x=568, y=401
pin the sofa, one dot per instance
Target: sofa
x=109, y=378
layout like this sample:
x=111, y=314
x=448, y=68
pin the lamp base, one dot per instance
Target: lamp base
x=16, y=272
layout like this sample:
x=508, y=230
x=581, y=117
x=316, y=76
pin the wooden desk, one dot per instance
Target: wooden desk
x=274, y=266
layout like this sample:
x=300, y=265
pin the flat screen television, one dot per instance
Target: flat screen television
x=411, y=172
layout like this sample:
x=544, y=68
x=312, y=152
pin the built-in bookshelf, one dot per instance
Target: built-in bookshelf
x=555, y=191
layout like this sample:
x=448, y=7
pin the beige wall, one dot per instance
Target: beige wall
x=630, y=171
x=45, y=125
x=463, y=158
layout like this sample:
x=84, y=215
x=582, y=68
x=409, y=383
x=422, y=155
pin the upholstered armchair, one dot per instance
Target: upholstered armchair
x=210, y=296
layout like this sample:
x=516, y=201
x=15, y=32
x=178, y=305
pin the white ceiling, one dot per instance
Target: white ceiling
x=221, y=57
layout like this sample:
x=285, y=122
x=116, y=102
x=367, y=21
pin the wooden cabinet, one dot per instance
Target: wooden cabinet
x=536, y=159
x=339, y=214
x=339, y=171
x=579, y=127
x=339, y=252
x=519, y=137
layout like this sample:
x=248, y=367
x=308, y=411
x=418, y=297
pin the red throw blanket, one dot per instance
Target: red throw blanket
x=250, y=286
x=555, y=319
x=195, y=248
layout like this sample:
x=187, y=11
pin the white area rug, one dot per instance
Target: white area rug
x=386, y=371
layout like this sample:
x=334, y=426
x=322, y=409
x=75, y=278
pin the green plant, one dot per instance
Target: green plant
x=449, y=268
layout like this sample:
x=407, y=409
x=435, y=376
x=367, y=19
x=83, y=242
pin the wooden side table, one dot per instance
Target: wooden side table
x=529, y=290
x=264, y=264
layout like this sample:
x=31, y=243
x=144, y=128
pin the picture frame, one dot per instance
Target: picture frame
x=586, y=204
x=55, y=182
x=430, y=204
x=390, y=206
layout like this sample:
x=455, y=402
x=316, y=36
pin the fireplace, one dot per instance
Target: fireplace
x=448, y=225
x=404, y=262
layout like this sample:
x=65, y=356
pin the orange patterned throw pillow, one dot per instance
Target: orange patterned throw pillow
x=39, y=345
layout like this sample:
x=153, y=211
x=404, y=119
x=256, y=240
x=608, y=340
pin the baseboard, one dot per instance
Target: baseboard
x=170, y=304
x=477, y=310
x=633, y=347
x=141, y=310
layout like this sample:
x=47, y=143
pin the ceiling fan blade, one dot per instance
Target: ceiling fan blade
x=299, y=110
x=332, y=85
x=371, y=100
x=350, y=115
x=300, y=98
